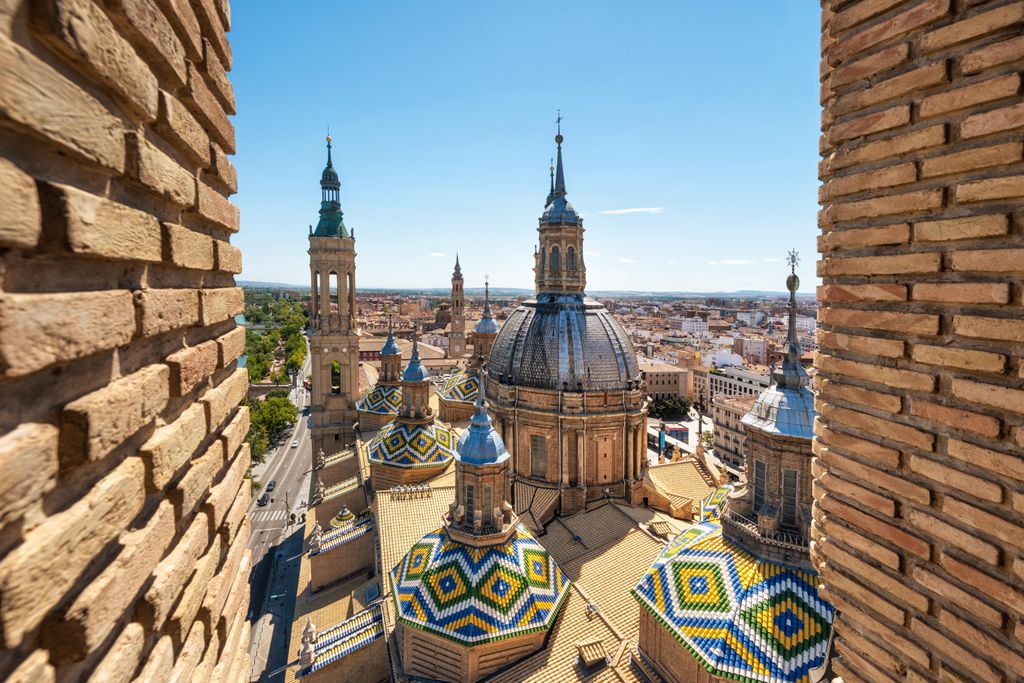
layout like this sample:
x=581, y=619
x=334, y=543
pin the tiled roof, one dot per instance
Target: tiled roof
x=339, y=537
x=712, y=506
x=381, y=400
x=740, y=617
x=412, y=445
x=461, y=387
x=341, y=488
x=680, y=481
x=478, y=594
x=347, y=637
x=535, y=504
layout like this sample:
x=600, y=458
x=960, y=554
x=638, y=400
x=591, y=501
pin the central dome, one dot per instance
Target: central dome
x=563, y=341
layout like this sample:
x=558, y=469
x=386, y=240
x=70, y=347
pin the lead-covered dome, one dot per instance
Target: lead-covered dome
x=563, y=341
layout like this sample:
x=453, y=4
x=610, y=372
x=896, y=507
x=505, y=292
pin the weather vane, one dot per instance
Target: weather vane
x=558, y=121
x=793, y=258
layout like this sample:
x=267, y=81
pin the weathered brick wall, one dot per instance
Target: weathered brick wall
x=123, y=535
x=919, y=503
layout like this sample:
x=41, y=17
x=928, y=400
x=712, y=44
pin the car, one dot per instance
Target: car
x=295, y=444
x=271, y=486
x=263, y=500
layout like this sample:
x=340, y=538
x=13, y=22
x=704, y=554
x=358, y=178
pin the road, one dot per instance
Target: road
x=276, y=544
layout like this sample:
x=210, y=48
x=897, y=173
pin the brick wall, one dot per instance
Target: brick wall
x=919, y=503
x=123, y=536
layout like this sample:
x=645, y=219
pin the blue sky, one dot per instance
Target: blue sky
x=700, y=118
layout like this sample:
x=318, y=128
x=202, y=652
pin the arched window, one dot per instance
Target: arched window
x=333, y=285
x=543, y=260
x=314, y=296
x=555, y=262
x=570, y=259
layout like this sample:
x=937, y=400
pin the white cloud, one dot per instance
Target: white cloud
x=623, y=259
x=773, y=259
x=591, y=253
x=731, y=262
x=437, y=254
x=642, y=209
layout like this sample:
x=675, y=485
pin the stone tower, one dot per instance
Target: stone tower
x=333, y=339
x=559, y=266
x=457, y=336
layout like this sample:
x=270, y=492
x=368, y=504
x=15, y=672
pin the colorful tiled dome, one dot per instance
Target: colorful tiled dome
x=478, y=594
x=461, y=387
x=741, y=618
x=381, y=400
x=413, y=445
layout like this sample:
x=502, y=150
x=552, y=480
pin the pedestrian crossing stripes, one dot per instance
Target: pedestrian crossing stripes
x=268, y=515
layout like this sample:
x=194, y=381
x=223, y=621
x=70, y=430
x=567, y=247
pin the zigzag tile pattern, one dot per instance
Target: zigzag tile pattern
x=347, y=637
x=740, y=617
x=712, y=506
x=381, y=400
x=477, y=595
x=415, y=445
x=461, y=387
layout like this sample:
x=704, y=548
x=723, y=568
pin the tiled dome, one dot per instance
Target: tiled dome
x=413, y=445
x=460, y=386
x=381, y=400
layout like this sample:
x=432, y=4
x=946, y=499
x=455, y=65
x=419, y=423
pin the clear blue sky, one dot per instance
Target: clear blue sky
x=442, y=113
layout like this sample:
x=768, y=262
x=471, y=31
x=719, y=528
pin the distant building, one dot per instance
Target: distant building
x=752, y=349
x=733, y=381
x=666, y=381
x=695, y=327
x=727, y=413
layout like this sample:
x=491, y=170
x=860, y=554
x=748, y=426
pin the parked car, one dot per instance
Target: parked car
x=263, y=500
x=271, y=486
x=295, y=444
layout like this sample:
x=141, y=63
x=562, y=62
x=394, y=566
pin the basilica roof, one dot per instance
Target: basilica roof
x=381, y=400
x=741, y=617
x=558, y=341
x=460, y=386
x=474, y=594
x=412, y=445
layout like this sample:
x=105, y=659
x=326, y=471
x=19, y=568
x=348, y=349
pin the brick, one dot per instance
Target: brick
x=84, y=33
x=893, y=147
x=159, y=172
x=195, y=484
x=972, y=27
x=37, y=330
x=883, y=456
x=995, y=121
x=1004, y=398
x=993, y=461
x=238, y=513
x=993, y=588
x=957, y=596
x=888, y=429
x=956, y=418
x=97, y=423
x=158, y=666
x=954, y=478
x=229, y=258
x=180, y=127
x=900, y=24
x=859, y=12
x=867, y=67
x=864, y=597
x=38, y=100
x=152, y=34
x=223, y=171
x=992, y=55
x=870, y=123
x=235, y=432
x=989, y=328
x=963, y=292
x=908, y=202
x=895, y=321
x=973, y=159
x=231, y=345
x=866, y=237
x=213, y=29
x=34, y=578
x=224, y=493
x=858, y=494
x=172, y=445
x=181, y=16
x=981, y=361
x=190, y=655
x=220, y=585
x=209, y=111
x=961, y=540
x=897, y=485
x=929, y=262
x=885, y=634
x=981, y=643
x=189, y=249
x=970, y=95
x=171, y=574
x=968, y=227
x=215, y=208
x=953, y=653
x=167, y=309
x=1008, y=187
x=919, y=79
x=221, y=304
x=96, y=610
x=872, y=292
x=860, y=662
x=876, y=529
x=859, y=543
x=192, y=597
x=20, y=217
x=990, y=261
x=220, y=84
x=34, y=669
x=851, y=394
x=120, y=662
x=28, y=459
x=191, y=366
x=867, y=573
x=94, y=226
x=870, y=372
x=870, y=346
x=222, y=399
x=984, y=522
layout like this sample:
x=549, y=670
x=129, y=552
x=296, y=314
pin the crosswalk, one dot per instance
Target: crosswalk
x=268, y=515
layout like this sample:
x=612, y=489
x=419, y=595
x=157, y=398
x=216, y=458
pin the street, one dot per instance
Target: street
x=276, y=544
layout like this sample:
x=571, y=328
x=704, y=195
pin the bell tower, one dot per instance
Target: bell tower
x=559, y=267
x=457, y=336
x=334, y=342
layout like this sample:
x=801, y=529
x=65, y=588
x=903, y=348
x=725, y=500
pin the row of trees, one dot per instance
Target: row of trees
x=270, y=422
x=281, y=320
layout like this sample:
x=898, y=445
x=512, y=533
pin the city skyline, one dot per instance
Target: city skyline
x=463, y=158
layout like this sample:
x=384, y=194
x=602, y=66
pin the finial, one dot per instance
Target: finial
x=559, y=187
x=487, y=296
x=793, y=282
x=558, y=122
x=329, y=138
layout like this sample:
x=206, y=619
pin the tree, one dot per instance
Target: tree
x=671, y=408
x=708, y=439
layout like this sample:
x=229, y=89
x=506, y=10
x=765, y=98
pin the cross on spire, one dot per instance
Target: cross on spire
x=793, y=259
x=558, y=121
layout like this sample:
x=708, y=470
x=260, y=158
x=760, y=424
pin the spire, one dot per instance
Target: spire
x=458, y=268
x=329, y=163
x=415, y=372
x=558, y=210
x=551, y=192
x=487, y=299
x=792, y=373
x=390, y=348
x=481, y=444
x=331, y=222
x=559, y=189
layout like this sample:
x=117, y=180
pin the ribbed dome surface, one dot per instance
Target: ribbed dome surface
x=563, y=339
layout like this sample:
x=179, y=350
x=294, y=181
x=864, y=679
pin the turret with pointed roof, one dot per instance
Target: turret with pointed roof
x=559, y=267
x=331, y=222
